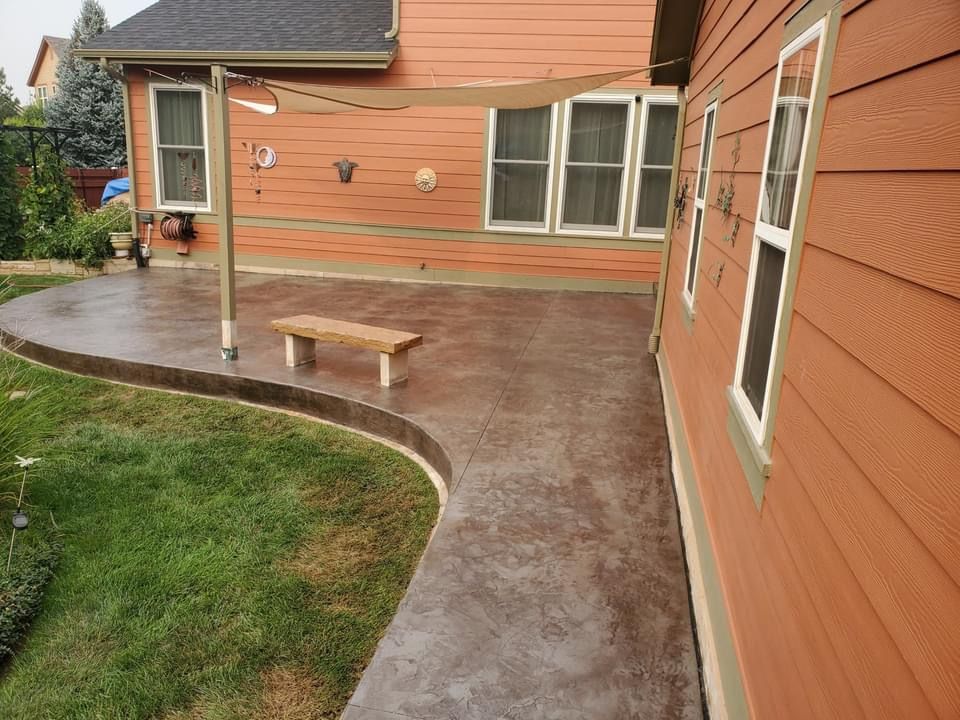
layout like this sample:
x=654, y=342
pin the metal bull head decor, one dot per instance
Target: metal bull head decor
x=346, y=169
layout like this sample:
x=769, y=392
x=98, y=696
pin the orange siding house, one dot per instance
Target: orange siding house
x=810, y=351
x=509, y=208
x=43, y=72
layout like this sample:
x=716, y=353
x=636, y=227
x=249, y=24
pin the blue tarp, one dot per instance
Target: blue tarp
x=114, y=188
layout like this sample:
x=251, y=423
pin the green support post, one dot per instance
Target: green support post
x=223, y=204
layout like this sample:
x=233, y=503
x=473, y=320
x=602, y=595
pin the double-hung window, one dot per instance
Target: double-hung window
x=595, y=164
x=658, y=134
x=601, y=186
x=699, y=204
x=180, y=147
x=520, y=167
x=787, y=139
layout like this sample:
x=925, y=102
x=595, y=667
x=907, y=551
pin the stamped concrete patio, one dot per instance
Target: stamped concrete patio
x=554, y=586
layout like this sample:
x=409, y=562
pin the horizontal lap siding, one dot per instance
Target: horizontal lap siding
x=386, y=250
x=862, y=511
x=441, y=43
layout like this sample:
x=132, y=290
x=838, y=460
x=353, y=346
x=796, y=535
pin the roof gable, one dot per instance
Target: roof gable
x=48, y=43
x=220, y=29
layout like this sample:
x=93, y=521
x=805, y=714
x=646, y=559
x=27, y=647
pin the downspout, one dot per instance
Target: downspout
x=395, y=28
x=128, y=137
x=653, y=344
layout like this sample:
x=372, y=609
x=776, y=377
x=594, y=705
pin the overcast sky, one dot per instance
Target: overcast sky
x=24, y=22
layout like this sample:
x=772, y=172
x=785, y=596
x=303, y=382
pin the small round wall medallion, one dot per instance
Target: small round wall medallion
x=425, y=179
x=266, y=157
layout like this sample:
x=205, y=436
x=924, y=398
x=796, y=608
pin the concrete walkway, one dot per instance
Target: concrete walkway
x=554, y=586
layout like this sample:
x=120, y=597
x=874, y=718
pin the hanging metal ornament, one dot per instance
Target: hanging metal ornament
x=346, y=169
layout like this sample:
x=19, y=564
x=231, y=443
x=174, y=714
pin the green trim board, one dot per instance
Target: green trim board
x=726, y=696
x=345, y=60
x=409, y=231
x=688, y=314
x=131, y=148
x=207, y=260
x=755, y=458
x=653, y=343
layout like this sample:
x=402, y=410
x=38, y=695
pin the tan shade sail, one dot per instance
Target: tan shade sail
x=304, y=98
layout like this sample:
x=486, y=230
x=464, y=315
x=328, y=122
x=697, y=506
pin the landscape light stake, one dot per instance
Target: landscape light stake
x=20, y=519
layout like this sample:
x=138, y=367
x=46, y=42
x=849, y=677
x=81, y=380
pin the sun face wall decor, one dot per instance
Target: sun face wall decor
x=425, y=180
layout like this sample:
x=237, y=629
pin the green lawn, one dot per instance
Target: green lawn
x=219, y=561
x=17, y=285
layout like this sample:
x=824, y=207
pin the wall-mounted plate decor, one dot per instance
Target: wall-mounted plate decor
x=425, y=180
x=266, y=157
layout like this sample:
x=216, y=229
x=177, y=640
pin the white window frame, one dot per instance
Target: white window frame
x=648, y=101
x=508, y=226
x=689, y=296
x=42, y=95
x=155, y=147
x=776, y=237
x=628, y=99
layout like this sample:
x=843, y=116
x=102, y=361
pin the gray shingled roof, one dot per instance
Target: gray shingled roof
x=58, y=44
x=244, y=26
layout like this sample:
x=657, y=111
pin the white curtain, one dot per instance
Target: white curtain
x=520, y=164
x=595, y=159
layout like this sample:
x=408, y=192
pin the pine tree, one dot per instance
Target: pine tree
x=9, y=105
x=88, y=100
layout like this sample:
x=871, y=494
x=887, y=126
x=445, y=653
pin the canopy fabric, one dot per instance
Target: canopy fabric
x=306, y=98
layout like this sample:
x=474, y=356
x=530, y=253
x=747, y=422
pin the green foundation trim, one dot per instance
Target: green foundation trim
x=328, y=268
x=404, y=231
x=721, y=672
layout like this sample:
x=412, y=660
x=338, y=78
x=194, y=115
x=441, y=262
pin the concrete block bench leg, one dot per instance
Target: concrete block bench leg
x=300, y=350
x=393, y=368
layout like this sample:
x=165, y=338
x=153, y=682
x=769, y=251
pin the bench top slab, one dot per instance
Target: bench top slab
x=348, y=333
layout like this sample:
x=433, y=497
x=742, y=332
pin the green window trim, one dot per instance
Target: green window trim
x=755, y=455
x=754, y=459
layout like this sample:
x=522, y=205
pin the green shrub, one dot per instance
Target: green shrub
x=11, y=239
x=47, y=203
x=84, y=237
x=28, y=413
x=35, y=556
x=30, y=116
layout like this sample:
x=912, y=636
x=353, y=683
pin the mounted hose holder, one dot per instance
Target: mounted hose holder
x=179, y=228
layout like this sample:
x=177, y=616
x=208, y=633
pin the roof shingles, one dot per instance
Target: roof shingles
x=253, y=26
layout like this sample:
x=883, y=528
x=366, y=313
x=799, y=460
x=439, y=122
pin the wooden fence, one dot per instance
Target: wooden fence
x=88, y=183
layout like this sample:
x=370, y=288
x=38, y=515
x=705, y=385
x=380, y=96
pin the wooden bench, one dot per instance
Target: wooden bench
x=303, y=331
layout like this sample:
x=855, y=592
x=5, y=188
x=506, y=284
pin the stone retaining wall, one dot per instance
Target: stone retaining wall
x=64, y=267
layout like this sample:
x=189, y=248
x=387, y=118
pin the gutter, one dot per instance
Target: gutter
x=653, y=344
x=395, y=28
x=357, y=60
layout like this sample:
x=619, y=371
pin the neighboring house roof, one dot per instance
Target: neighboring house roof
x=674, y=33
x=57, y=45
x=348, y=33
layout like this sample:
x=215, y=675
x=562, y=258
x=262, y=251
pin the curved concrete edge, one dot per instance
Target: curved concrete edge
x=378, y=424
